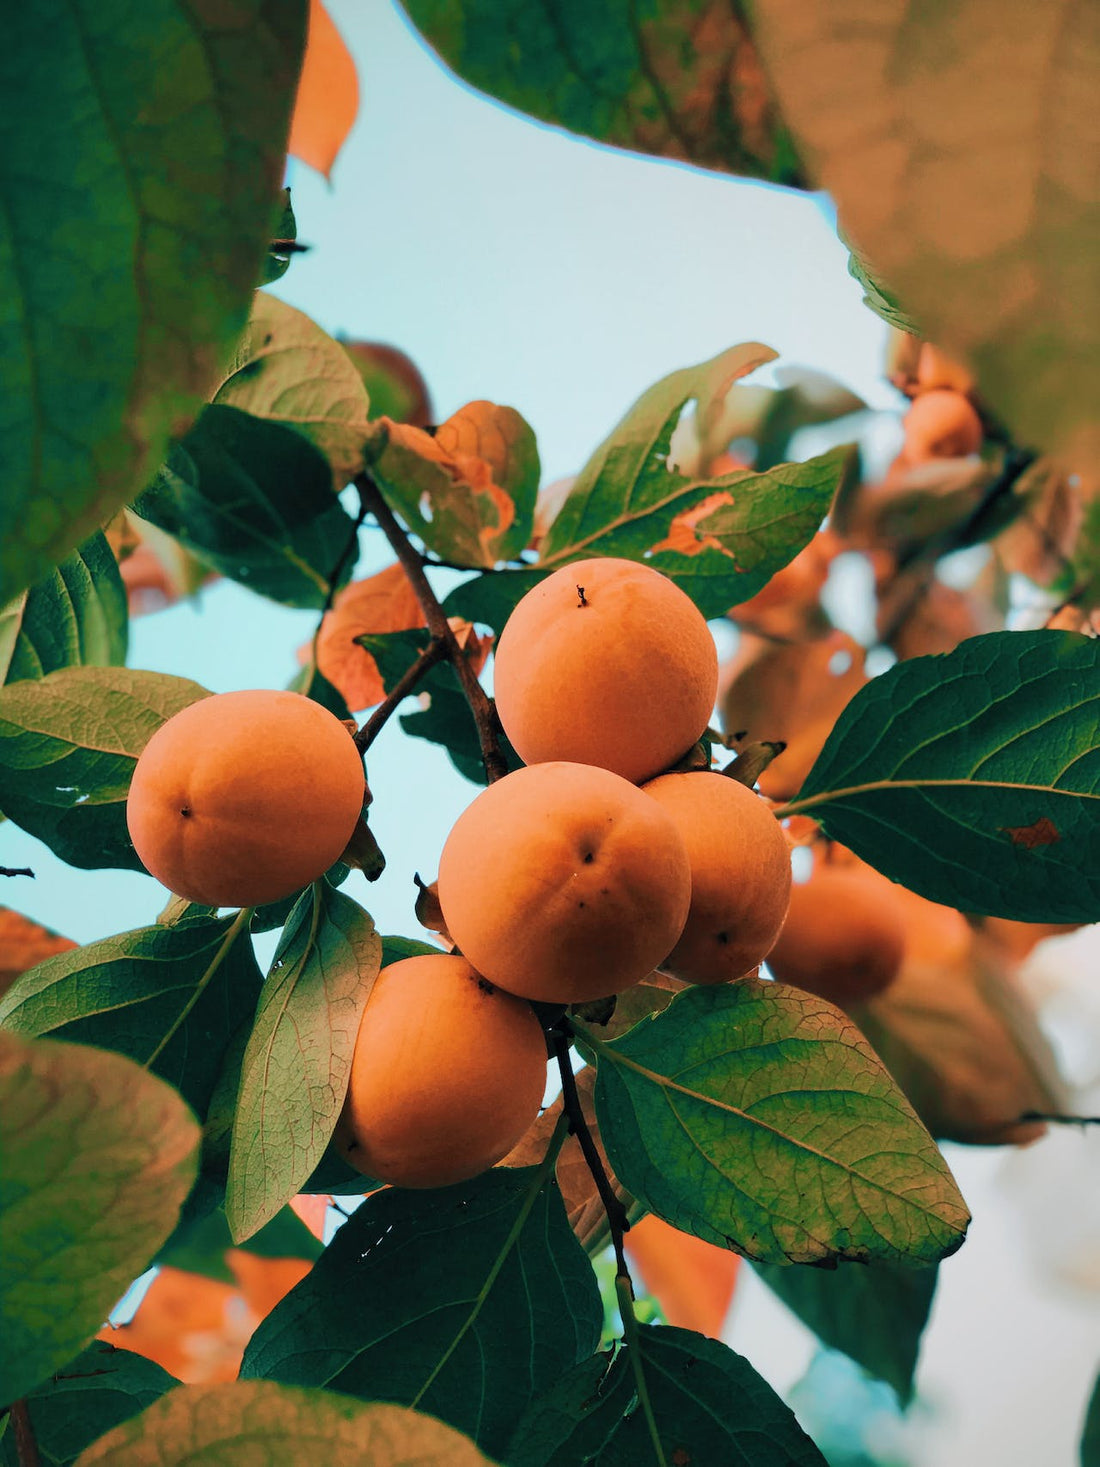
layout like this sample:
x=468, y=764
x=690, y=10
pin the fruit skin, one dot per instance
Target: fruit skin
x=843, y=938
x=563, y=882
x=625, y=677
x=740, y=875
x=448, y=1073
x=244, y=798
x=941, y=424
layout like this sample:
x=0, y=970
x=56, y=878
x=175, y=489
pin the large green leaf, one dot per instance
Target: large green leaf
x=705, y=1403
x=967, y=179
x=678, y=78
x=243, y=1424
x=92, y=1393
x=447, y=720
x=74, y=617
x=254, y=501
x=758, y=1117
x=974, y=777
x=287, y=370
x=97, y=1157
x=68, y=746
x=720, y=539
x=142, y=147
x=298, y=1059
x=169, y=998
x=875, y=1315
x=463, y=1301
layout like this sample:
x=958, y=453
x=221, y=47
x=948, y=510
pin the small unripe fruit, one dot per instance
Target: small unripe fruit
x=606, y=662
x=564, y=883
x=843, y=938
x=941, y=424
x=244, y=798
x=448, y=1073
x=740, y=875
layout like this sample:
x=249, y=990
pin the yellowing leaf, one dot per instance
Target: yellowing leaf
x=328, y=95
x=384, y=602
x=24, y=943
x=960, y=143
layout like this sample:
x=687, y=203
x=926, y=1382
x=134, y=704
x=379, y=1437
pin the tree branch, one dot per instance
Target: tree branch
x=434, y=652
x=617, y=1219
x=481, y=705
x=26, y=1447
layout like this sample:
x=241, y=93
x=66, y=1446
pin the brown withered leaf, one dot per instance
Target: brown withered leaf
x=963, y=1042
x=692, y=1280
x=793, y=694
x=384, y=602
x=328, y=94
x=582, y=1202
x=23, y=944
x=960, y=143
x=929, y=616
x=448, y=497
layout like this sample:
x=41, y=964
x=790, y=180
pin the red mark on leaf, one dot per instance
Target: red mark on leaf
x=1044, y=832
x=681, y=1457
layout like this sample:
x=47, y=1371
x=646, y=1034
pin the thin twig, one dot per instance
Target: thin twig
x=617, y=1219
x=16, y=871
x=481, y=705
x=26, y=1447
x=434, y=652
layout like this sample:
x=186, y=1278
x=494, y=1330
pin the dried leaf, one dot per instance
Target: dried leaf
x=692, y=1281
x=24, y=943
x=328, y=95
x=384, y=602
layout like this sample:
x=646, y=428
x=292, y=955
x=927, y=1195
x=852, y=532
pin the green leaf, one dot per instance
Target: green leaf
x=491, y=598
x=278, y=257
x=290, y=372
x=758, y=1117
x=877, y=298
x=394, y=383
x=448, y=721
x=74, y=617
x=874, y=1315
x=298, y=1059
x=974, y=778
x=68, y=746
x=243, y=1423
x=676, y=78
x=463, y=1302
x=168, y=998
x=253, y=500
x=77, y=1123
x=739, y=528
x=142, y=147
x=201, y=1248
x=708, y=1405
x=1090, y=1436
x=96, y=1391
x=312, y=684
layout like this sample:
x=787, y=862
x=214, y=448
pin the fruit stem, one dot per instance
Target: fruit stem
x=434, y=652
x=617, y=1219
x=481, y=705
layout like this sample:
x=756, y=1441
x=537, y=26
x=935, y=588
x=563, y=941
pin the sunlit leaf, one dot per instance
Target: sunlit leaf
x=142, y=146
x=77, y=1122
x=758, y=1117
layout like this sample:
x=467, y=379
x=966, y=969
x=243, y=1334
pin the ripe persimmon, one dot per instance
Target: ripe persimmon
x=935, y=369
x=843, y=938
x=941, y=424
x=448, y=1073
x=606, y=662
x=564, y=882
x=243, y=798
x=740, y=874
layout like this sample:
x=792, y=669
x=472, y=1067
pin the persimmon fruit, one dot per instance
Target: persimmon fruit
x=243, y=798
x=606, y=662
x=941, y=423
x=564, y=882
x=740, y=874
x=843, y=938
x=448, y=1073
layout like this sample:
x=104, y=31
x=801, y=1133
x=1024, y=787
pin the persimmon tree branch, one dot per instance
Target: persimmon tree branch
x=26, y=1447
x=481, y=705
x=434, y=652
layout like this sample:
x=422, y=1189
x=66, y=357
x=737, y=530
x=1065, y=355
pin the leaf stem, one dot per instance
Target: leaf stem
x=538, y=1181
x=617, y=1219
x=481, y=705
x=26, y=1447
x=241, y=920
x=434, y=652
x=624, y=1294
